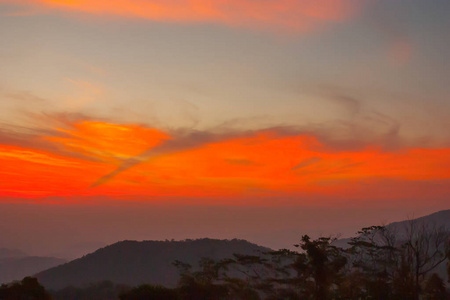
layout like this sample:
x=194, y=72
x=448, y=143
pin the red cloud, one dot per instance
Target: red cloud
x=144, y=162
x=284, y=15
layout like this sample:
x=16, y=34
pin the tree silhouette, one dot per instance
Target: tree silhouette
x=434, y=288
x=380, y=263
x=425, y=247
x=320, y=266
x=150, y=292
x=27, y=289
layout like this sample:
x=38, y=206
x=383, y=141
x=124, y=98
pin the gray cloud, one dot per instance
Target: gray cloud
x=352, y=105
x=306, y=162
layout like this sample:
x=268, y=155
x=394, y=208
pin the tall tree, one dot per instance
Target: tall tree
x=424, y=248
x=372, y=263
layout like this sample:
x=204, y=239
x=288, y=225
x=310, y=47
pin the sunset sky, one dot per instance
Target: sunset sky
x=239, y=106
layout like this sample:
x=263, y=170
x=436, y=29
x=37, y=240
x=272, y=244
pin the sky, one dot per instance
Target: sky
x=256, y=119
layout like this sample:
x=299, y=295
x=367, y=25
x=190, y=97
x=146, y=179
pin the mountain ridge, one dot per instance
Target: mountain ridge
x=16, y=268
x=138, y=262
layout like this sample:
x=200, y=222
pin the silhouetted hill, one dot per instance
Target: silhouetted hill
x=16, y=268
x=440, y=218
x=437, y=219
x=134, y=263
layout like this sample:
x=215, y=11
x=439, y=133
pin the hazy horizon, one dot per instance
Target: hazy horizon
x=56, y=230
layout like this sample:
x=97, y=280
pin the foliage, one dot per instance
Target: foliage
x=212, y=282
x=27, y=289
x=150, y=292
x=380, y=263
x=434, y=288
x=95, y=291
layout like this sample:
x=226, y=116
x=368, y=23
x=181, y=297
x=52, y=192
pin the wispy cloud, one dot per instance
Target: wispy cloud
x=84, y=93
x=25, y=96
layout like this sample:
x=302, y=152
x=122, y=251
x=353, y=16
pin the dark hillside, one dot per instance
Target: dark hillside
x=134, y=263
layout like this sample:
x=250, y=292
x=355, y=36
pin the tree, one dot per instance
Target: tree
x=204, y=284
x=27, y=289
x=372, y=263
x=424, y=248
x=380, y=263
x=311, y=273
x=320, y=267
x=150, y=292
x=104, y=290
x=394, y=262
x=434, y=288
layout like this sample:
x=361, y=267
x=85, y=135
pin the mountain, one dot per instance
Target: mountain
x=17, y=267
x=78, y=250
x=438, y=219
x=435, y=220
x=11, y=253
x=134, y=263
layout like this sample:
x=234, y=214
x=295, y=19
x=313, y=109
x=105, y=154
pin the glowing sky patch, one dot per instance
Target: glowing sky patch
x=225, y=101
x=244, y=165
x=109, y=142
x=286, y=15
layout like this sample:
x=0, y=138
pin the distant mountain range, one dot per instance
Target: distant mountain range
x=11, y=253
x=15, y=265
x=134, y=263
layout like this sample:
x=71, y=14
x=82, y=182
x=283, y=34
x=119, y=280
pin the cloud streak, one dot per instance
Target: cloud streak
x=186, y=140
x=284, y=15
x=306, y=163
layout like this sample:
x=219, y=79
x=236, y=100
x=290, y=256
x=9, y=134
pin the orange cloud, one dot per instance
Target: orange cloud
x=108, y=142
x=262, y=164
x=286, y=15
x=28, y=173
x=207, y=170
